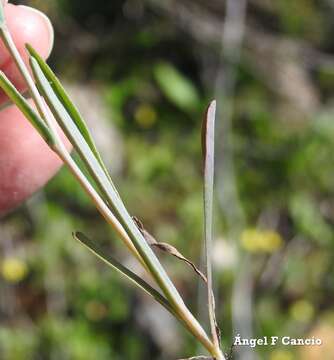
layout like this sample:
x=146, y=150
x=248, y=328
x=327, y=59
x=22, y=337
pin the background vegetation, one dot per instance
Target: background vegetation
x=142, y=72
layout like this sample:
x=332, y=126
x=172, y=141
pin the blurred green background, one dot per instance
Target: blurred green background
x=142, y=73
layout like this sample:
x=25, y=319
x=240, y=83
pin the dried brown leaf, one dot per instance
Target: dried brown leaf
x=167, y=248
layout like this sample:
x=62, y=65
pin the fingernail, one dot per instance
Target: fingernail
x=48, y=25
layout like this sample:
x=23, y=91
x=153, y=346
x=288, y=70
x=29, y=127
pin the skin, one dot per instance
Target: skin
x=26, y=163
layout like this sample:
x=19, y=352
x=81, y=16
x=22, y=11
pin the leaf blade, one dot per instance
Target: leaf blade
x=104, y=184
x=70, y=128
x=176, y=87
x=208, y=149
x=26, y=109
x=113, y=199
x=116, y=265
x=68, y=104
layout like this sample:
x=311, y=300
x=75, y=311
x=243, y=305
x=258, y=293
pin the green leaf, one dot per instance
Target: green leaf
x=68, y=104
x=72, y=131
x=114, y=201
x=105, y=186
x=176, y=87
x=26, y=109
x=308, y=219
x=116, y=265
x=208, y=148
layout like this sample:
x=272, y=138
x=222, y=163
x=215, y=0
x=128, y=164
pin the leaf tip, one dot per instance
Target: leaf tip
x=208, y=121
x=211, y=112
x=33, y=54
x=213, y=103
x=76, y=235
x=30, y=49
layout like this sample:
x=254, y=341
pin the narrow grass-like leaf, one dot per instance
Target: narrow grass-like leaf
x=121, y=213
x=176, y=87
x=72, y=131
x=26, y=109
x=68, y=104
x=208, y=147
x=116, y=265
x=99, y=175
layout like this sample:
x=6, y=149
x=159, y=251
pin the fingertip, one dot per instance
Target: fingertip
x=26, y=162
x=26, y=25
x=45, y=22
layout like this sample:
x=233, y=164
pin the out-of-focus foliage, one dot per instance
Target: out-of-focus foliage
x=156, y=65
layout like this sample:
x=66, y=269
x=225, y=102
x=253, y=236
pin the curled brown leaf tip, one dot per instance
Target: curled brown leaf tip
x=167, y=248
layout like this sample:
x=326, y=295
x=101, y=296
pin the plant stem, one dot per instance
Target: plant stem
x=218, y=355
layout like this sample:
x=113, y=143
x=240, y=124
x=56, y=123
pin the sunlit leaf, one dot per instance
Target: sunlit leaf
x=107, y=188
x=308, y=218
x=71, y=130
x=176, y=87
x=72, y=110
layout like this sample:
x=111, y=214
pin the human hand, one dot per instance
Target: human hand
x=26, y=162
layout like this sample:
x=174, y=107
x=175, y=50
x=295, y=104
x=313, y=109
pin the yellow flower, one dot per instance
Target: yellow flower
x=281, y=355
x=322, y=331
x=145, y=116
x=13, y=269
x=95, y=310
x=254, y=240
x=302, y=311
